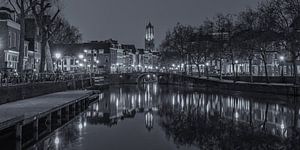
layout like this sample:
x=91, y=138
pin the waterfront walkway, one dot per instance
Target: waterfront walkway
x=28, y=108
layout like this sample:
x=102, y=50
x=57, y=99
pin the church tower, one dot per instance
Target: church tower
x=149, y=40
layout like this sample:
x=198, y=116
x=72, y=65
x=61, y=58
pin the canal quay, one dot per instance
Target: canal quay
x=28, y=121
x=177, y=75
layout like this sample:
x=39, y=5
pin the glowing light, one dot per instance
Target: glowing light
x=236, y=115
x=80, y=56
x=57, y=55
x=282, y=126
x=56, y=141
x=80, y=126
x=281, y=58
x=236, y=61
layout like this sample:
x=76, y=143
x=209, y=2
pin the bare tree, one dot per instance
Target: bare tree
x=66, y=33
x=247, y=25
x=224, y=31
x=287, y=19
x=266, y=36
x=47, y=26
x=179, y=40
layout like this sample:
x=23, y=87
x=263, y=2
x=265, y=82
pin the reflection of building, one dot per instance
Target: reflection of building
x=238, y=109
x=149, y=121
x=9, y=39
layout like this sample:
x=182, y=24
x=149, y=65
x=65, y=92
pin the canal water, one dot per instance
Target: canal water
x=154, y=117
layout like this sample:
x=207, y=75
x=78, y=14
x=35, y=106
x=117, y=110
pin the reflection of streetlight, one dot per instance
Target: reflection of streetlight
x=281, y=58
x=56, y=141
x=149, y=120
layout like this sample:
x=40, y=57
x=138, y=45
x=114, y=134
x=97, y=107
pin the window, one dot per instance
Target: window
x=72, y=62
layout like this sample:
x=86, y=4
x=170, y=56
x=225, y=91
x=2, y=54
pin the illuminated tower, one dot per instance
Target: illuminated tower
x=149, y=40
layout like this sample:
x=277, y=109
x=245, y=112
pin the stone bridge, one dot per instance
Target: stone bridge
x=144, y=77
x=203, y=82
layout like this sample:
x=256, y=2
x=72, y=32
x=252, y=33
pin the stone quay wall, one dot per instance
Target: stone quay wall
x=23, y=91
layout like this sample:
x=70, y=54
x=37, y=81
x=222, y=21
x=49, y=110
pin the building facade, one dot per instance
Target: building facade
x=9, y=39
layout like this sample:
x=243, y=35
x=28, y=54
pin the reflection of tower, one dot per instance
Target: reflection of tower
x=149, y=40
x=149, y=120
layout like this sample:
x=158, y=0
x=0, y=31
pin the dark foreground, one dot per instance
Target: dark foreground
x=166, y=117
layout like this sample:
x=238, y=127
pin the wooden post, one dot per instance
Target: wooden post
x=19, y=136
x=48, y=123
x=59, y=118
x=36, y=129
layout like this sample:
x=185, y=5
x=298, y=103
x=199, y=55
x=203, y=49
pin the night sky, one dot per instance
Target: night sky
x=125, y=20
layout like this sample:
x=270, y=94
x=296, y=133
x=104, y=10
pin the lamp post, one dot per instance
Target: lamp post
x=236, y=67
x=206, y=68
x=57, y=56
x=282, y=58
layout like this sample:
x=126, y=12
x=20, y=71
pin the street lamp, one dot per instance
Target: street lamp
x=236, y=68
x=206, y=68
x=282, y=59
x=80, y=56
x=57, y=56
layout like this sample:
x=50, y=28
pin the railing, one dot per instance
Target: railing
x=12, y=80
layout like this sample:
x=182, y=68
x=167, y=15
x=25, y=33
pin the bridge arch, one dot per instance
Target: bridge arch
x=147, y=77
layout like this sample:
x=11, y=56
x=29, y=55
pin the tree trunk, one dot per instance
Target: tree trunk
x=220, y=69
x=295, y=69
x=250, y=70
x=233, y=70
x=266, y=116
x=21, y=46
x=266, y=71
x=199, y=71
x=43, y=51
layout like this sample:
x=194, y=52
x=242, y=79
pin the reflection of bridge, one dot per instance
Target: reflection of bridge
x=139, y=77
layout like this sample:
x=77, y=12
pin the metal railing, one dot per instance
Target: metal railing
x=12, y=80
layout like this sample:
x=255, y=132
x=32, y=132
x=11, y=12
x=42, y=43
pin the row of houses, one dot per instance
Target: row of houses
x=10, y=42
x=107, y=56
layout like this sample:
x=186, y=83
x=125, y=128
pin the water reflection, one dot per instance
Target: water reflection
x=188, y=119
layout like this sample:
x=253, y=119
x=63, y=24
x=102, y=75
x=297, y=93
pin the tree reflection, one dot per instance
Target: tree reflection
x=208, y=131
